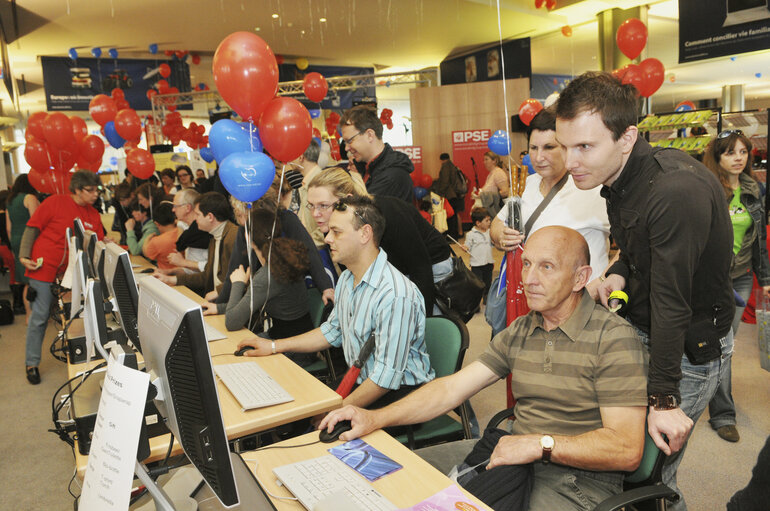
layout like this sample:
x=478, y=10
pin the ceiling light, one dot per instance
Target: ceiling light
x=275, y=16
x=302, y=32
x=256, y=29
x=290, y=24
x=322, y=20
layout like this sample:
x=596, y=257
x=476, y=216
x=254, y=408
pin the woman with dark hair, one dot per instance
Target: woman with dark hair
x=277, y=288
x=22, y=203
x=728, y=156
x=150, y=196
x=168, y=178
x=184, y=175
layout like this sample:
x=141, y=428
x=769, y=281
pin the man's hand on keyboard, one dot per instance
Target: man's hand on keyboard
x=262, y=347
x=363, y=421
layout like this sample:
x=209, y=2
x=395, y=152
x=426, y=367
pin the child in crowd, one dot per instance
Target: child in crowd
x=479, y=245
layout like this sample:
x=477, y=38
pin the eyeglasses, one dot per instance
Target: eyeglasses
x=174, y=206
x=319, y=207
x=341, y=206
x=183, y=175
x=90, y=189
x=727, y=133
x=349, y=140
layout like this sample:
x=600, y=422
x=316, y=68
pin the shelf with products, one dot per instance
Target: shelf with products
x=669, y=129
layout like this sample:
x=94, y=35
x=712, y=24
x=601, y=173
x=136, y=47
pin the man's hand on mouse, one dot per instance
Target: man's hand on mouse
x=262, y=347
x=363, y=421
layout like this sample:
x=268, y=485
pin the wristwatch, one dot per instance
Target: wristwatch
x=662, y=401
x=547, y=443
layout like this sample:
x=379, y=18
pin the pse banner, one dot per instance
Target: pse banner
x=715, y=28
x=414, y=152
x=468, y=148
x=71, y=84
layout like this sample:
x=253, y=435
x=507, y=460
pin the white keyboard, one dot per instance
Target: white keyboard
x=251, y=385
x=314, y=479
x=212, y=334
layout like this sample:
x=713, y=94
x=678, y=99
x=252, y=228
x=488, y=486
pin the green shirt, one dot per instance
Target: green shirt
x=741, y=220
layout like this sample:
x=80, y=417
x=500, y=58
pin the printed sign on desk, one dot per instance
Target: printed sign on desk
x=468, y=148
x=111, y=461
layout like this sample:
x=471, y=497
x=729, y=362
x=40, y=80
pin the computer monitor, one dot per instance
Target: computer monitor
x=176, y=355
x=89, y=247
x=98, y=259
x=120, y=281
x=79, y=232
x=79, y=279
x=93, y=318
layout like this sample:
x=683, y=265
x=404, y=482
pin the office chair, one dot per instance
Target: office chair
x=322, y=369
x=642, y=486
x=446, y=341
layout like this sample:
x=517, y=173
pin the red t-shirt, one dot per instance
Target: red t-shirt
x=52, y=218
x=160, y=246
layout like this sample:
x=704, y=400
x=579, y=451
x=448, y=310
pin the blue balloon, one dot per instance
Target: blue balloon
x=317, y=141
x=154, y=48
x=113, y=53
x=527, y=162
x=96, y=52
x=207, y=154
x=227, y=137
x=315, y=113
x=420, y=192
x=253, y=132
x=247, y=175
x=73, y=54
x=499, y=143
x=113, y=138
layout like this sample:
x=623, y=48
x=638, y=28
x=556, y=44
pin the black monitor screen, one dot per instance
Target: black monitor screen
x=120, y=280
x=80, y=234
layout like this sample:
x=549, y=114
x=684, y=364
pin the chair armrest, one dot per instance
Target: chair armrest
x=642, y=494
x=499, y=417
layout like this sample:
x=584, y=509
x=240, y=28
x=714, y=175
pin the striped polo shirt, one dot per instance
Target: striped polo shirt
x=561, y=378
x=390, y=305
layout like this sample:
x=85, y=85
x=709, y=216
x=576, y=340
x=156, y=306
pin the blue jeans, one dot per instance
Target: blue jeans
x=722, y=406
x=38, y=320
x=697, y=387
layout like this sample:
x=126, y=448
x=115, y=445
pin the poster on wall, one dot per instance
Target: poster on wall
x=716, y=28
x=468, y=148
x=414, y=152
x=485, y=64
x=71, y=84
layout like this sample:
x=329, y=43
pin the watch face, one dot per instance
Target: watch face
x=546, y=442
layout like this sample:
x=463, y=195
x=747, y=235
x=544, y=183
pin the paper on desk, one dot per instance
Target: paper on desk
x=448, y=499
x=111, y=461
x=365, y=459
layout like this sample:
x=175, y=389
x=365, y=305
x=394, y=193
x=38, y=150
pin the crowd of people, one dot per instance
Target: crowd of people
x=588, y=382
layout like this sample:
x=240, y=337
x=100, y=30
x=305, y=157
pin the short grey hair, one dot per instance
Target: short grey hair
x=82, y=179
x=188, y=195
x=313, y=152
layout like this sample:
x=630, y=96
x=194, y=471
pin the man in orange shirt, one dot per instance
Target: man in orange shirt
x=159, y=246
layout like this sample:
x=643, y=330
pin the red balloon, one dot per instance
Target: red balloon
x=83, y=164
x=36, y=154
x=634, y=76
x=426, y=181
x=58, y=130
x=168, y=53
x=140, y=163
x=196, y=59
x=621, y=72
x=246, y=74
x=128, y=125
x=631, y=37
x=285, y=128
x=550, y=4
x=151, y=93
x=654, y=73
x=180, y=54
x=41, y=181
x=529, y=109
x=162, y=86
x=566, y=31
x=130, y=145
x=118, y=94
x=539, y=3
x=62, y=160
x=164, y=70
x=35, y=124
x=92, y=148
x=102, y=109
x=121, y=104
x=315, y=87
x=79, y=128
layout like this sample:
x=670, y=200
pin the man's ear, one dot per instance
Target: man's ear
x=582, y=277
x=366, y=234
x=628, y=138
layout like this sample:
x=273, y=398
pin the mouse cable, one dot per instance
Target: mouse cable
x=284, y=446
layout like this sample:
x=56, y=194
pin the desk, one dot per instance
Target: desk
x=414, y=483
x=311, y=397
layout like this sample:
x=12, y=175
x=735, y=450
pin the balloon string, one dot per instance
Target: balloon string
x=247, y=228
x=272, y=237
x=505, y=99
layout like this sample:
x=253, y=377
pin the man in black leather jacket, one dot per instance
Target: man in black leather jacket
x=669, y=218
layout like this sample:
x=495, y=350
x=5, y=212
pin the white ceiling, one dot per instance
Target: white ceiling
x=389, y=34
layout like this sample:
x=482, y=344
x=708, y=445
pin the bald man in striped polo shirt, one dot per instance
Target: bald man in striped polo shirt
x=579, y=376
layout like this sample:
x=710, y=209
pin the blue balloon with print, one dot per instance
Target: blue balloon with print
x=315, y=113
x=253, y=131
x=420, y=192
x=499, y=143
x=247, y=175
x=227, y=137
x=527, y=162
x=113, y=138
x=207, y=154
x=73, y=53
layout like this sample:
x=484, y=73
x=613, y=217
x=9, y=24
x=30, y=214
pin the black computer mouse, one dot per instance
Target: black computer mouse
x=147, y=270
x=338, y=429
x=240, y=352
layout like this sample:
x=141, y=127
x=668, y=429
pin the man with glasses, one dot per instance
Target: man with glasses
x=43, y=253
x=386, y=172
x=372, y=298
x=669, y=217
x=192, y=246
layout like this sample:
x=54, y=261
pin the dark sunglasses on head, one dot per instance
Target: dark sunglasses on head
x=727, y=133
x=341, y=206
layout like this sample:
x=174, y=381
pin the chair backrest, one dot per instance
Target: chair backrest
x=316, y=305
x=446, y=341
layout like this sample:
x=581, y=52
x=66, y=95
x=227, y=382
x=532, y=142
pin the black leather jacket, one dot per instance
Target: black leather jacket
x=753, y=252
x=669, y=217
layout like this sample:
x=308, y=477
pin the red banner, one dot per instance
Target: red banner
x=468, y=148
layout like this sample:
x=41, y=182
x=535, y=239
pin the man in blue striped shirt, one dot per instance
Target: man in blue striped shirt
x=372, y=297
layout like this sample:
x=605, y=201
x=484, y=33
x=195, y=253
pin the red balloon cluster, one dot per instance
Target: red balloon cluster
x=56, y=143
x=529, y=109
x=549, y=4
x=175, y=131
x=315, y=87
x=386, y=118
x=631, y=37
x=332, y=121
x=647, y=76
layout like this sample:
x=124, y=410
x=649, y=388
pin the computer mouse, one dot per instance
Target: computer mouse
x=147, y=270
x=240, y=352
x=338, y=429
